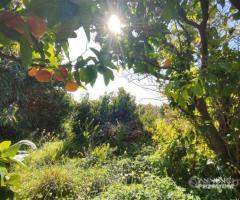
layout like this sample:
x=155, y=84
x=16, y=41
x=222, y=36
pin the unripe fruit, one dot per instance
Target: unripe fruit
x=36, y=26
x=71, y=86
x=32, y=72
x=61, y=74
x=43, y=76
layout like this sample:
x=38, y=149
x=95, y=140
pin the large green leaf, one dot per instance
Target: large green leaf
x=11, y=151
x=5, y=145
x=88, y=75
x=107, y=74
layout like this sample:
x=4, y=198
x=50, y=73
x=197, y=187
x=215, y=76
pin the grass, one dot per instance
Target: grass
x=99, y=174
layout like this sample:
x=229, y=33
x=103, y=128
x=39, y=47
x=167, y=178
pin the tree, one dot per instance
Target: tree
x=192, y=48
x=35, y=35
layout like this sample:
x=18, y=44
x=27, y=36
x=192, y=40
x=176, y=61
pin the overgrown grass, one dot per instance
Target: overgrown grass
x=99, y=174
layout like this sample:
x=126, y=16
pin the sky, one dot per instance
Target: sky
x=144, y=91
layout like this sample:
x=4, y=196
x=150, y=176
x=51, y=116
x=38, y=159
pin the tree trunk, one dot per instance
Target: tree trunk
x=214, y=137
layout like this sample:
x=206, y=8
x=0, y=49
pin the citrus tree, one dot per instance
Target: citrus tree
x=28, y=105
x=190, y=47
x=34, y=34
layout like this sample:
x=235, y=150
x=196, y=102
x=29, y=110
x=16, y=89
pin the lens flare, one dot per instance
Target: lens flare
x=114, y=24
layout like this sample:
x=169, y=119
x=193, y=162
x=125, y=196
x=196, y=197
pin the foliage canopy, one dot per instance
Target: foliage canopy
x=191, y=47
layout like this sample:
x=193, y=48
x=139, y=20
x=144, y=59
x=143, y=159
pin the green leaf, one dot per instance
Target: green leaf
x=5, y=145
x=96, y=52
x=236, y=16
x=21, y=164
x=14, y=180
x=11, y=151
x=65, y=47
x=197, y=89
x=25, y=53
x=3, y=39
x=88, y=75
x=3, y=170
x=107, y=74
x=81, y=62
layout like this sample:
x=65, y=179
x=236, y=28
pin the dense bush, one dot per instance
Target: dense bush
x=46, y=155
x=152, y=188
x=98, y=174
x=152, y=155
x=27, y=107
x=111, y=119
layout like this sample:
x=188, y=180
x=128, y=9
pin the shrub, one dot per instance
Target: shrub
x=48, y=183
x=36, y=106
x=102, y=153
x=152, y=188
x=112, y=119
x=121, y=191
x=164, y=188
x=46, y=155
x=91, y=182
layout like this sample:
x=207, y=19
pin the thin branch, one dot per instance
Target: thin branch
x=183, y=15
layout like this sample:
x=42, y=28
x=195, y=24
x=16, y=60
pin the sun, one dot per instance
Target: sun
x=114, y=24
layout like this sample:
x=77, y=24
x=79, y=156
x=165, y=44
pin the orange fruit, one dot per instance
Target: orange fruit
x=33, y=71
x=61, y=74
x=71, y=86
x=43, y=76
x=36, y=26
x=12, y=20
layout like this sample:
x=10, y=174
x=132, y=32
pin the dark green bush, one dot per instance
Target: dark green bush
x=112, y=119
x=37, y=106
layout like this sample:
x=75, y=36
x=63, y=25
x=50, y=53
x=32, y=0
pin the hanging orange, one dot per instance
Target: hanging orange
x=43, y=76
x=71, y=86
x=36, y=26
x=33, y=71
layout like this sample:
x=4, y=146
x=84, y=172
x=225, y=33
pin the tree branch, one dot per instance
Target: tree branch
x=215, y=141
x=203, y=31
x=183, y=15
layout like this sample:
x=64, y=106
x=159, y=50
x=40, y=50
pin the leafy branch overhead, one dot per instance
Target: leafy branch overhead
x=192, y=49
x=40, y=40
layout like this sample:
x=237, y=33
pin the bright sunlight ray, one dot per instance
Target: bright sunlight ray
x=114, y=24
